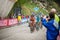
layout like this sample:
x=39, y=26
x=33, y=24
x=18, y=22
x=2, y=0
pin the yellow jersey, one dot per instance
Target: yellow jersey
x=56, y=18
x=19, y=18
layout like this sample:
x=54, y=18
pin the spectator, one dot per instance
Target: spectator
x=19, y=18
x=22, y=16
x=26, y=16
x=53, y=10
x=52, y=32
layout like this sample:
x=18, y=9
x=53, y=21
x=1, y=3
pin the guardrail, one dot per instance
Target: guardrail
x=10, y=22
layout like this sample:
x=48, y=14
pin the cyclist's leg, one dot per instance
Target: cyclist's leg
x=37, y=26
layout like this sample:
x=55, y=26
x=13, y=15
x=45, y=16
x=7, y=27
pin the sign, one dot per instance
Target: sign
x=3, y=22
x=8, y=22
x=13, y=21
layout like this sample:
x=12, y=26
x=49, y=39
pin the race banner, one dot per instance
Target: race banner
x=13, y=21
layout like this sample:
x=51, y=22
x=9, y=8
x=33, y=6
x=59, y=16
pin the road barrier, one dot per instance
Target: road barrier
x=8, y=22
x=3, y=22
x=12, y=22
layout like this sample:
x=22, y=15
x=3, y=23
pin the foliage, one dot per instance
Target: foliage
x=19, y=3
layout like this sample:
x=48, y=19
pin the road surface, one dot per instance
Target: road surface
x=22, y=32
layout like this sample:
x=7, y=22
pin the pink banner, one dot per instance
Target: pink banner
x=8, y=22
x=12, y=21
x=3, y=22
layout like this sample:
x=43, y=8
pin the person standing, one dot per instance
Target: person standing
x=56, y=19
x=52, y=31
x=53, y=10
x=19, y=18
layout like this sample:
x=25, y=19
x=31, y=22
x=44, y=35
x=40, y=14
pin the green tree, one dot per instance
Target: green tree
x=18, y=4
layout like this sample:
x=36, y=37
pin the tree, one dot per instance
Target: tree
x=18, y=4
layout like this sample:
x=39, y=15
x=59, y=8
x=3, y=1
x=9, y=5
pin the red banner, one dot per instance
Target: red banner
x=12, y=21
x=3, y=22
x=8, y=22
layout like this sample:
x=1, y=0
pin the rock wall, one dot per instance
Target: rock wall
x=5, y=7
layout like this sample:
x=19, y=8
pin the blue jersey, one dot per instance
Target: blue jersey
x=52, y=32
x=37, y=18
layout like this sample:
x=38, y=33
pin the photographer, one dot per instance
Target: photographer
x=52, y=32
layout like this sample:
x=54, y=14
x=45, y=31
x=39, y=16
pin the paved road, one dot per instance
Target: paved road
x=21, y=32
